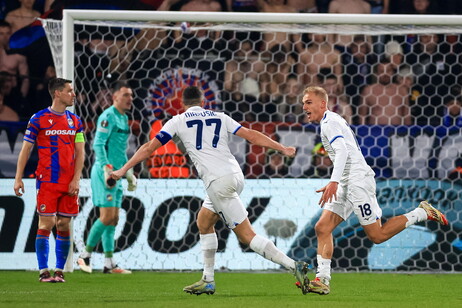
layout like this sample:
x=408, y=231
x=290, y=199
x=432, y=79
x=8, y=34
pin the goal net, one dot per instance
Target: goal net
x=395, y=79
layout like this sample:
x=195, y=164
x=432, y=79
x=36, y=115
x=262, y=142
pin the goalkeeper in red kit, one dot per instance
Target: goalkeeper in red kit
x=58, y=134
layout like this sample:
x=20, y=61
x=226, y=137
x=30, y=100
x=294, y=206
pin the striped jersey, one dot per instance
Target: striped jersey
x=205, y=136
x=54, y=133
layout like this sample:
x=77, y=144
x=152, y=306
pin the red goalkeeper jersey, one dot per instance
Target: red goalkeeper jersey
x=55, y=135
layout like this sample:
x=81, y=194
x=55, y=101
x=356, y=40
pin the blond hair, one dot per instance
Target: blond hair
x=318, y=91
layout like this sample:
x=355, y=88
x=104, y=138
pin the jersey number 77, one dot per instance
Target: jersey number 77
x=200, y=127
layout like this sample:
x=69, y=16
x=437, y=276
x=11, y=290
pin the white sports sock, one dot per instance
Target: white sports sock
x=415, y=216
x=209, y=246
x=323, y=270
x=109, y=263
x=268, y=250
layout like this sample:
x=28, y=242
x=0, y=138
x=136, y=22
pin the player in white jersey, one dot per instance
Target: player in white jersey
x=351, y=189
x=204, y=134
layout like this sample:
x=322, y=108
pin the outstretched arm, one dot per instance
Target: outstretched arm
x=260, y=139
x=143, y=153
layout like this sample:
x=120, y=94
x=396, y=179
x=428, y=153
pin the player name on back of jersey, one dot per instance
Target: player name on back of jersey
x=205, y=113
x=52, y=132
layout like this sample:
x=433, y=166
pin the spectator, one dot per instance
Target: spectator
x=394, y=54
x=453, y=113
x=15, y=64
x=42, y=96
x=319, y=57
x=435, y=69
x=303, y=6
x=279, y=38
x=289, y=108
x=242, y=5
x=202, y=6
x=379, y=6
x=338, y=102
x=358, y=69
x=241, y=72
x=321, y=165
x=22, y=16
x=6, y=113
x=347, y=7
x=384, y=102
x=421, y=7
x=277, y=71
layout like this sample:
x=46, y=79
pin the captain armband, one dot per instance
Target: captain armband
x=79, y=137
x=163, y=137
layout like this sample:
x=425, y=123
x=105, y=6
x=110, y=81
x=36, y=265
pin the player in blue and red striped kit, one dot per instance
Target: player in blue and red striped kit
x=60, y=141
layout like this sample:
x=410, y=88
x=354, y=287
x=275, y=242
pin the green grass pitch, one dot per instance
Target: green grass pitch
x=164, y=289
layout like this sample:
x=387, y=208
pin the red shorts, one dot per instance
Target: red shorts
x=53, y=199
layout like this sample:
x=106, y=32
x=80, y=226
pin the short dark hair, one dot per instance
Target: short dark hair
x=57, y=84
x=119, y=85
x=192, y=95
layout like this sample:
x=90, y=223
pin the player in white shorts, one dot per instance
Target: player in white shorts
x=204, y=134
x=351, y=189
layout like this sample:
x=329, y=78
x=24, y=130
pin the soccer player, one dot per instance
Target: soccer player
x=351, y=189
x=204, y=134
x=60, y=141
x=110, y=146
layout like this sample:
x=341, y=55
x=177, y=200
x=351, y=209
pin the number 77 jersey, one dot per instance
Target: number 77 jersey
x=205, y=136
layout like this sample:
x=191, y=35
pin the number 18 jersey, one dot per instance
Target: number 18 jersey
x=205, y=136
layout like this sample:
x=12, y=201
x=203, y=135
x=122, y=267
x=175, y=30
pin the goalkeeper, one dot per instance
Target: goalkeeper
x=110, y=146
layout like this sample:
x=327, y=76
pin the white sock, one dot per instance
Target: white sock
x=323, y=270
x=415, y=216
x=209, y=246
x=268, y=250
x=109, y=263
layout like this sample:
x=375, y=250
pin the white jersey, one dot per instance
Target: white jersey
x=205, y=135
x=333, y=127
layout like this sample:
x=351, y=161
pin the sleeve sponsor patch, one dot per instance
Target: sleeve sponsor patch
x=104, y=123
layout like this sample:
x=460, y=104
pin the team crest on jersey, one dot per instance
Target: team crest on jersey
x=42, y=207
x=70, y=122
x=51, y=121
x=109, y=197
x=104, y=123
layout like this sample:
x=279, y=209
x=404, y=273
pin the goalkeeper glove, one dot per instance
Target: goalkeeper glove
x=131, y=179
x=108, y=180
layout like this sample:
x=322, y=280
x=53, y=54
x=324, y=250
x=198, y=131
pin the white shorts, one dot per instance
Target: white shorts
x=358, y=197
x=223, y=198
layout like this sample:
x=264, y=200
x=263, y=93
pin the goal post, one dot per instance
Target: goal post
x=254, y=66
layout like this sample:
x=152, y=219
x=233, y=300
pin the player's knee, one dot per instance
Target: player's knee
x=62, y=225
x=205, y=227
x=245, y=237
x=321, y=229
